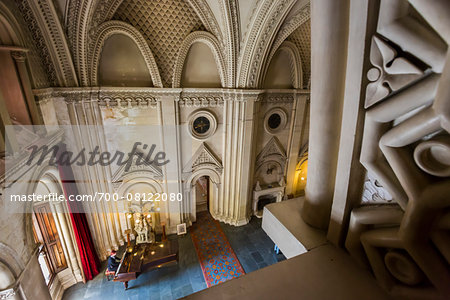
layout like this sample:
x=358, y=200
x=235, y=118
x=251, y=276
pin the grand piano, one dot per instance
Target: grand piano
x=142, y=257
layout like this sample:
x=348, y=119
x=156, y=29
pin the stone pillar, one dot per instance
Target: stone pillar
x=298, y=116
x=239, y=114
x=20, y=57
x=329, y=33
x=167, y=107
x=66, y=235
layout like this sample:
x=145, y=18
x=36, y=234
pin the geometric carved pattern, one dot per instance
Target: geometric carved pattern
x=301, y=37
x=273, y=150
x=405, y=146
x=38, y=42
x=164, y=24
x=201, y=158
x=389, y=73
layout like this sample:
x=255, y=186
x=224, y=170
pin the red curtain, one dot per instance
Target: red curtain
x=89, y=259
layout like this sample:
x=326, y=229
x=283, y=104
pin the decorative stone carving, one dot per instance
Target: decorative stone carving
x=200, y=101
x=297, y=30
x=279, y=98
x=203, y=157
x=374, y=191
x=405, y=140
x=164, y=27
x=205, y=14
x=390, y=72
x=256, y=46
x=38, y=43
x=433, y=156
x=148, y=169
x=273, y=148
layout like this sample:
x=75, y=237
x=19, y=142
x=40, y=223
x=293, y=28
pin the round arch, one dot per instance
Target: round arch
x=199, y=37
x=189, y=191
x=110, y=28
x=296, y=68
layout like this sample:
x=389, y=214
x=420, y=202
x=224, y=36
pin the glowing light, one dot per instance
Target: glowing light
x=129, y=216
x=153, y=252
x=137, y=221
x=162, y=245
x=135, y=254
x=148, y=216
x=303, y=178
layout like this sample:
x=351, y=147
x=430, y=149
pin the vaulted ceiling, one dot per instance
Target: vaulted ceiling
x=242, y=37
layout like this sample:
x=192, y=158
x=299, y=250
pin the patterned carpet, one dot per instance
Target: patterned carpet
x=217, y=259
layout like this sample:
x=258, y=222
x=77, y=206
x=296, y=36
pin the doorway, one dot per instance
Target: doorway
x=202, y=195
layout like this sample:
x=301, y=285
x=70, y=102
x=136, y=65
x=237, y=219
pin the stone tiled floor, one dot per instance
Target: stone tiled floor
x=252, y=246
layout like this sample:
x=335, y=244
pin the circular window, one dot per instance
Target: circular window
x=202, y=124
x=275, y=120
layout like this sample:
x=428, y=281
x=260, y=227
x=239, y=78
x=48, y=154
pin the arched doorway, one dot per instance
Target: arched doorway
x=202, y=194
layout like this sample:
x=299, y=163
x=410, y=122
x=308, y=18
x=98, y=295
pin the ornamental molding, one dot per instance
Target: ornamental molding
x=53, y=34
x=295, y=65
x=110, y=28
x=273, y=150
x=80, y=15
x=144, y=168
x=206, y=15
x=200, y=101
x=203, y=157
x=30, y=36
x=230, y=15
x=289, y=27
x=256, y=47
x=209, y=40
x=278, y=98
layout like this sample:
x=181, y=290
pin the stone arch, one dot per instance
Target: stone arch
x=51, y=173
x=295, y=63
x=8, y=21
x=199, y=37
x=10, y=258
x=7, y=277
x=110, y=28
x=189, y=193
x=128, y=182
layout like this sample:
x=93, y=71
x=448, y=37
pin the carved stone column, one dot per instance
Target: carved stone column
x=238, y=161
x=329, y=33
x=170, y=134
x=72, y=259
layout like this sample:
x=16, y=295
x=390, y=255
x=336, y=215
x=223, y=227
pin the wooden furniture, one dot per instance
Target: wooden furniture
x=143, y=257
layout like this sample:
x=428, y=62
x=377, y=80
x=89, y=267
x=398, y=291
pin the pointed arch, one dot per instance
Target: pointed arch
x=110, y=28
x=199, y=37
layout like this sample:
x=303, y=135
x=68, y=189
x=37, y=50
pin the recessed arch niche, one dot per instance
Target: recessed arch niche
x=285, y=68
x=122, y=63
x=200, y=69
